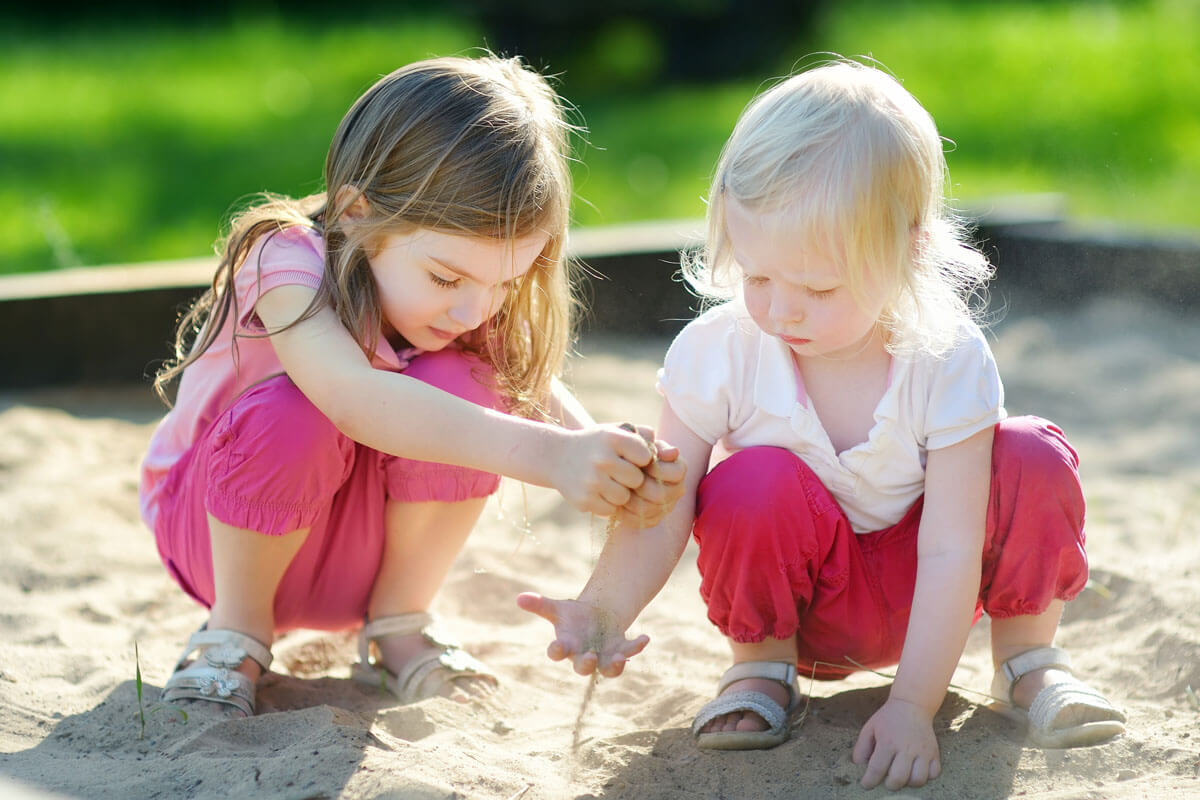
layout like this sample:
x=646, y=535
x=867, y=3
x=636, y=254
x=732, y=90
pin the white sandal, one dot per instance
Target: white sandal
x=1052, y=714
x=445, y=660
x=212, y=676
x=776, y=716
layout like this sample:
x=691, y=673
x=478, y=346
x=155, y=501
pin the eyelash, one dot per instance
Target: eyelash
x=440, y=281
x=824, y=294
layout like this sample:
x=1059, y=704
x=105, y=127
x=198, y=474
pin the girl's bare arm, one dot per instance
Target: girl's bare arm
x=898, y=745
x=949, y=559
x=566, y=408
x=397, y=414
x=632, y=568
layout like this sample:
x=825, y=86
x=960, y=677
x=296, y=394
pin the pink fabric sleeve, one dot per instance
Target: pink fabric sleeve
x=293, y=256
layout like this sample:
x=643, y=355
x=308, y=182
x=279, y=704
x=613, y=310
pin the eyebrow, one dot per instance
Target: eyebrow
x=451, y=267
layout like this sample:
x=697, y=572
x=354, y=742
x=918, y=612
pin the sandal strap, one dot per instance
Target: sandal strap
x=1022, y=664
x=398, y=625
x=226, y=648
x=407, y=682
x=782, y=671
x=1056, y=697
x=201, y=681
x=775, y=715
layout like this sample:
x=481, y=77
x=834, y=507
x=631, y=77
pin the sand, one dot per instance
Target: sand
x=80, y=585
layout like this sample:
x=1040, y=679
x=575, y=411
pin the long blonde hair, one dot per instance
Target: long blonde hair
x=849, y=158
x=473, y=146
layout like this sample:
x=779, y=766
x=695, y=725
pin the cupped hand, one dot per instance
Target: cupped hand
x=600, y=467
x=587, y=635
x=661, y=489
x=898, y=747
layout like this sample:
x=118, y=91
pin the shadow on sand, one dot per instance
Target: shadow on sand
x=815, y=762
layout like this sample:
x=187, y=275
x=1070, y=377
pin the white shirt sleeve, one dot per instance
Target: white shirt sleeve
x=702, y=373
x=965, y=393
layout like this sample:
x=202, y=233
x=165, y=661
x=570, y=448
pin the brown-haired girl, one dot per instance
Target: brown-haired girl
x=367, y=363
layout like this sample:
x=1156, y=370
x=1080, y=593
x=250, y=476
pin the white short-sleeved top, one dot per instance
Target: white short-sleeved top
x=736, y=387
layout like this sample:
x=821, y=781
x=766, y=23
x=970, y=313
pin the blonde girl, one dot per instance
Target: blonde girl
x=368, y=362
x=857, y=492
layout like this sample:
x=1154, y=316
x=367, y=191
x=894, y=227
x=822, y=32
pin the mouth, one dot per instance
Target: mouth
x=794, y=341
x=441, y=334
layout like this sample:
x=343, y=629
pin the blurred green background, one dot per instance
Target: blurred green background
x=127, y=137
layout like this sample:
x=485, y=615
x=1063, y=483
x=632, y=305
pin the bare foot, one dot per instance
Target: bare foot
x=748, y=720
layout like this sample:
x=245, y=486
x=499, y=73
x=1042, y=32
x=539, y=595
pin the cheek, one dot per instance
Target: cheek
x=758, y=303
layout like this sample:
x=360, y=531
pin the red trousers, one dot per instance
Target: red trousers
x=779, y=559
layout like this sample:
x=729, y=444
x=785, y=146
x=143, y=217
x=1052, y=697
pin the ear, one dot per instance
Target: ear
x=918, y=240
x=351, y=203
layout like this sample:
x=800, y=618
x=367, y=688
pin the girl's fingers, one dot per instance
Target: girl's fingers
x=585, y=664
x=613, y=669
x=877, y=768
x=919, y=774
x=626, y=473
x=633, y=448
x=615, y=494
x=664, y=451
x=667, y=472
x=899, y=773
x=632, y=647
x=534, y=603
x=863, y=747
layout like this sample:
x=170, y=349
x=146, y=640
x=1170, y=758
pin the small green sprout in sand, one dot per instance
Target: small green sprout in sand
x=141, y=712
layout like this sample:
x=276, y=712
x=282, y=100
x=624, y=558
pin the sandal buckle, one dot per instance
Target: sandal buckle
x=222, y=685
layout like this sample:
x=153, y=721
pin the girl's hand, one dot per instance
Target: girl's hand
x=600, y=468
x=898, y=747
x=661, y=489
x=586, y=634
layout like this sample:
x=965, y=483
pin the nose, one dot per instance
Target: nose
x=785, y=306
x=473, y=308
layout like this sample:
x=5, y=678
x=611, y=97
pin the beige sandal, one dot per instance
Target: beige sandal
x=427, y=673
x=1067, y=714
x=776, y=716
x=212, y=676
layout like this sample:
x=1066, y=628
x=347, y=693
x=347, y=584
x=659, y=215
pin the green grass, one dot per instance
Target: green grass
x=1097, y=100
x=133, y=145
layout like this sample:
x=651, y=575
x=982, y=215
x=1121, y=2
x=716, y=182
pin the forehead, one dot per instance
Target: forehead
x=775, y=243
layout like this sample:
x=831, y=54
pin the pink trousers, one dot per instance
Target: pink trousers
x=778, y=557
x=273, y=463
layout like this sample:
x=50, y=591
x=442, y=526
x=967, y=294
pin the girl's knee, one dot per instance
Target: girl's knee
x=461, y=374
x=761, y=493
x=762, y=480
x=274, y=461
x=276, y=418
x=753, y=474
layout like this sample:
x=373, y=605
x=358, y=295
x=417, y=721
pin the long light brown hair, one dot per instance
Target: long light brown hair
x=471, y=146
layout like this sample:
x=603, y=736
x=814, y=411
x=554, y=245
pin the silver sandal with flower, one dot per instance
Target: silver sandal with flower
x=213, y=675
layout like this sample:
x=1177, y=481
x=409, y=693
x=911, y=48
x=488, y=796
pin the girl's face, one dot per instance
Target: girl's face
x=434, y=286
x=797, y=296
